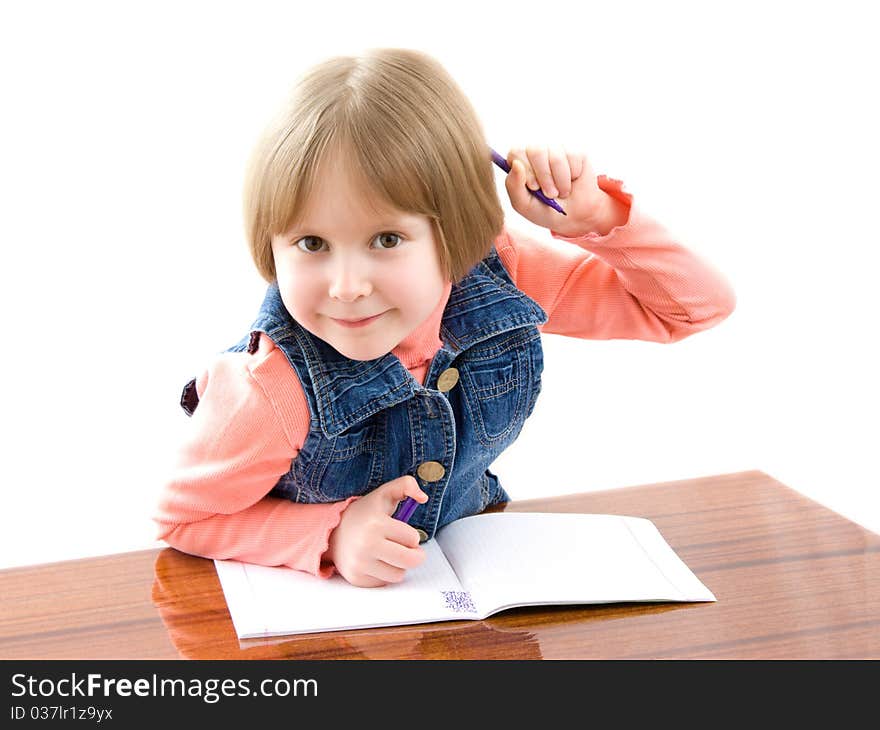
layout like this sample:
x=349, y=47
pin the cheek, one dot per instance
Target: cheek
x=431, y=280
x=419, y=291
x=300, y=292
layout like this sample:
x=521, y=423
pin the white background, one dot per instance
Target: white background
x=750, y=131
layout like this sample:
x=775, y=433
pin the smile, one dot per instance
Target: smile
x=357, y=322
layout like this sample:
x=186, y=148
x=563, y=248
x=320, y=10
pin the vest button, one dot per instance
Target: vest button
x=447, y=380
x=431, y=471
x=422, y=534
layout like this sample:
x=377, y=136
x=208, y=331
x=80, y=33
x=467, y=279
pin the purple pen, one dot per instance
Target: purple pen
x=502, y=163
x=405, y=509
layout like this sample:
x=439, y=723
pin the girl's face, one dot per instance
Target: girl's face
x=358, y=276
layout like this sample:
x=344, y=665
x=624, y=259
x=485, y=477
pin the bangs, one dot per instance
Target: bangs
x=387, y=181
x=396, y=172
x=289, y=179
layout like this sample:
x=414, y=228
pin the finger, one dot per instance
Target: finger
x=380, y=570
x=402, y=534
x=412, y=489
x=515, y=183
x=399, y=489
x=576, y=163
x=539, y=159
x=561, y=171
x=518, y=153
x=362, y=580
x=399, y=556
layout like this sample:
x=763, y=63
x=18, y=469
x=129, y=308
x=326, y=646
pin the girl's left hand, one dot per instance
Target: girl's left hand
x=566, y=176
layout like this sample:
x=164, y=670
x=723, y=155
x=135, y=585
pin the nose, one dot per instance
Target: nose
x=349, y=280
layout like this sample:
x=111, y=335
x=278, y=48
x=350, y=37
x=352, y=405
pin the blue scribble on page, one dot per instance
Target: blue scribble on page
x=459, y=601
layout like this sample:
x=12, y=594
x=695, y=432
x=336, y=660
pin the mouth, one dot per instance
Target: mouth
x=357, y=322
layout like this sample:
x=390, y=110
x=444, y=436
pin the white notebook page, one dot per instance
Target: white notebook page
x=267, y=601
x=515, y=559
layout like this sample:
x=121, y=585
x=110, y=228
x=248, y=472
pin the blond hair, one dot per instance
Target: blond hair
x=413, y=138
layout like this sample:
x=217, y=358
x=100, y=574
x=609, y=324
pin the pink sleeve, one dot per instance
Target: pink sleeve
x=636, y=282
x=251, y=420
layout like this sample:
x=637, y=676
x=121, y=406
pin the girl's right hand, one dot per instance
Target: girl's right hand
x=369, y=547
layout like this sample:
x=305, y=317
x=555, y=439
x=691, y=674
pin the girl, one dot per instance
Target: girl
x=397, y=352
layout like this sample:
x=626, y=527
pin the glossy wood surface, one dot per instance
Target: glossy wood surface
x=792, y=578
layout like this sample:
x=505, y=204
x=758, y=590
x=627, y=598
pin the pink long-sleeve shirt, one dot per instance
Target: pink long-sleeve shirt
x=635, y=282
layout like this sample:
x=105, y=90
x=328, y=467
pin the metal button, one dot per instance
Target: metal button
x=431, y=471
x=447, y=380
x=422, y=534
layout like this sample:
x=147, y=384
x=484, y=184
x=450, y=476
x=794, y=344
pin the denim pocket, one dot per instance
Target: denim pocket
x=338, y=468
x=497, y=380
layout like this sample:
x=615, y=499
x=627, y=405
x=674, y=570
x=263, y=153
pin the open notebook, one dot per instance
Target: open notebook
x=475, y=566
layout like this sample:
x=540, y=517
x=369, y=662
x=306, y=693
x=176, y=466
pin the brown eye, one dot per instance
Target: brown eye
x=310, y=244
x=388, y=240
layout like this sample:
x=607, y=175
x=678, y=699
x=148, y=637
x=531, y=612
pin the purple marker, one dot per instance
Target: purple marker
x=405, y=509
x=502, y=163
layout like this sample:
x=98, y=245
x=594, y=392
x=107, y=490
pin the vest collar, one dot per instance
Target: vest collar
x=483, y=304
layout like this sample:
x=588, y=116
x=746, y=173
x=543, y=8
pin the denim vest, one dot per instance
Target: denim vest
x=371, y=421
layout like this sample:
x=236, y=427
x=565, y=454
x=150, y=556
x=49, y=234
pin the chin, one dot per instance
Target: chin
x=359, y=353
x=363, y=355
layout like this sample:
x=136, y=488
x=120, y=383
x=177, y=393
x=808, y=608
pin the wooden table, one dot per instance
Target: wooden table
x=793, y=580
